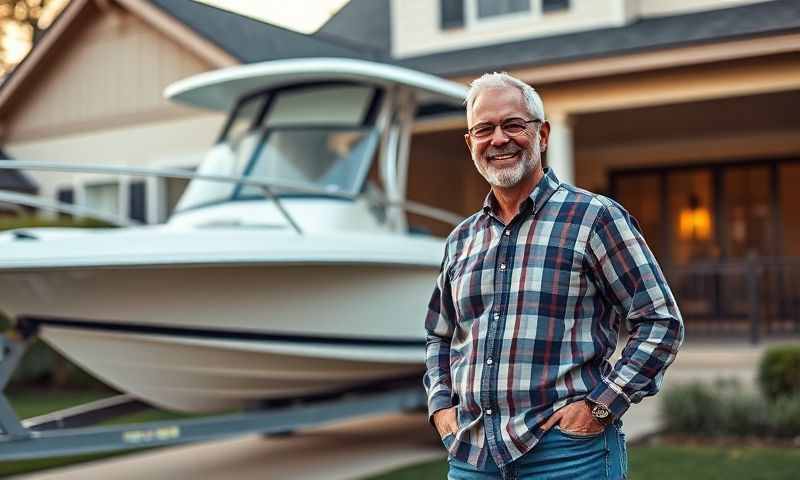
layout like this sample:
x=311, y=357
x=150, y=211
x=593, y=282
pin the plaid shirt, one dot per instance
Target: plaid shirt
x=524, y=318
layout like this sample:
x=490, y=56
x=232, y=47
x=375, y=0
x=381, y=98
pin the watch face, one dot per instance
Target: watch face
x=599, y=411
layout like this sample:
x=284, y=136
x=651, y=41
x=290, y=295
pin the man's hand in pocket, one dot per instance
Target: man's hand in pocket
x=445, y=421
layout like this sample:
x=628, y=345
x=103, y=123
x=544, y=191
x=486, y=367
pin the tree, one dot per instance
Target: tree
x=26, y=20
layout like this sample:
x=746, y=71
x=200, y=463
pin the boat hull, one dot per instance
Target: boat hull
x=209, y=338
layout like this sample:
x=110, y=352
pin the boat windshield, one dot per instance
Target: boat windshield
x=322, y=138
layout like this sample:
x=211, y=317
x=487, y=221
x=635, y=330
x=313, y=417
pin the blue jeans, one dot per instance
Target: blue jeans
x=557, y=456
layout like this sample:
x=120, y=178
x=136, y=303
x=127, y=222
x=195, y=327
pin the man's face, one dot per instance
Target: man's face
x=503, y=160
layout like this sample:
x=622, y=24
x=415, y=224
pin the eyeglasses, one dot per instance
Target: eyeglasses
x=511, y=127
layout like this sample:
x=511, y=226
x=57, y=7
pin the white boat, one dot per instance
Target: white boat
x=288, y=268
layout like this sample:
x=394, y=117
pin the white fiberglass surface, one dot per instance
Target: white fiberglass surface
x=318, y=136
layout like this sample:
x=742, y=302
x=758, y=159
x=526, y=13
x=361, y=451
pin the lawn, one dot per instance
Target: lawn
x=672, y=462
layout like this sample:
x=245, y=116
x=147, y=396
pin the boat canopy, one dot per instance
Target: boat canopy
x=221, y=89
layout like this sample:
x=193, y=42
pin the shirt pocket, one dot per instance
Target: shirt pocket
x=550, y=273
x=471, y=287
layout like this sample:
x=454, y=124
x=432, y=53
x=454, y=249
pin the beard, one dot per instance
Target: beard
x=506, y=177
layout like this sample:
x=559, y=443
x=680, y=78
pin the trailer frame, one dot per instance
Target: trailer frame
x=73, y=431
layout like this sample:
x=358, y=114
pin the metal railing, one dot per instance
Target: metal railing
x=266, y=185
x=755, y=297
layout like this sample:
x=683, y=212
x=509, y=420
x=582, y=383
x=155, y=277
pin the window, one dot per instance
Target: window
x=65, y=195
x=320, y=136
x=554, y=5
x=451, y=13
x=103, y=197
x=136, y=202
x=470, y=13
x=493, y=8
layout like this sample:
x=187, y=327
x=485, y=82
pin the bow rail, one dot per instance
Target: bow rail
x=266, y=185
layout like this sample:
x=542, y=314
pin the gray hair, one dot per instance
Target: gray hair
x=503, y=80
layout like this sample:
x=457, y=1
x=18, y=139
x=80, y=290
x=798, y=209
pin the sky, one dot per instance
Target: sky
x=304, y=16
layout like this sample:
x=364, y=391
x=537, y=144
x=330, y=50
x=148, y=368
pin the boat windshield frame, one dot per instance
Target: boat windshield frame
x=265, y=101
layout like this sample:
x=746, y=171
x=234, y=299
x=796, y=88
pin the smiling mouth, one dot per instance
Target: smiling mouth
x=503, y=156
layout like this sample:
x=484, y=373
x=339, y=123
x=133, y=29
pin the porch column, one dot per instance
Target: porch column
x=559, y=148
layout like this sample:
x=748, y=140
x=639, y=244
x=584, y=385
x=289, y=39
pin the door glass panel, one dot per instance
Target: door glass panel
x=690, y=199
x=690, y=202
x=639, y=194
x=747, y=215
x=747, y=198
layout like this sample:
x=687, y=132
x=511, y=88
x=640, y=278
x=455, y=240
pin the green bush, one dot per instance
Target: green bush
x=784, y=416
x=726, y=409
x=691, y=408
x=779, y=372
x=43, y=367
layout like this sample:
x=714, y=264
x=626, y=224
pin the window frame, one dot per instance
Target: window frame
x=472, y=21
x=501, y=16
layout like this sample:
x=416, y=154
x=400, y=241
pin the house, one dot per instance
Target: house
x=683, y=110
x=16, y=182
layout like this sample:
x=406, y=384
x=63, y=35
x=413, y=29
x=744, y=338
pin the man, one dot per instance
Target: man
x=528, y=307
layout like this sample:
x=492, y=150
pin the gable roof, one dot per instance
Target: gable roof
x=362, y=30
x=65, y=23
x=776, y=16
x=349, y=25
x=251, y=40
x=220, y=37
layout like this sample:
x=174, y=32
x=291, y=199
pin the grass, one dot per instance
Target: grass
x=665, y=462
x=30, y=403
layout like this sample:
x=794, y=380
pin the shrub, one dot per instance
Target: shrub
x=43, y=367
x=691, y=408
x=725, y=408
x=779, y=372
x=784, y=416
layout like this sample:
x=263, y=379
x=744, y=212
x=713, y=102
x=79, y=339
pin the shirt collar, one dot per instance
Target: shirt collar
x=542, y=192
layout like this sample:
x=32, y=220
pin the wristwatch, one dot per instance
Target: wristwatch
x=600, y=412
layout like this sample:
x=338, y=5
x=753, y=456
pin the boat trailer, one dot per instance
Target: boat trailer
x=74, y=431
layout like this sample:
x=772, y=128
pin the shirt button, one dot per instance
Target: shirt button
x=489, y=361
x=488, y=411
x=497, y=316
x=507, y=233
x=502, y=266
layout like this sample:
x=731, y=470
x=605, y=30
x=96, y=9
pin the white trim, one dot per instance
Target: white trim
x=157, y=188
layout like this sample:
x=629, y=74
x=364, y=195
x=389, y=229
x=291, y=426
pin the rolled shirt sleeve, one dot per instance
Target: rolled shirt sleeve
x=439, y=327
x=628, y=276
